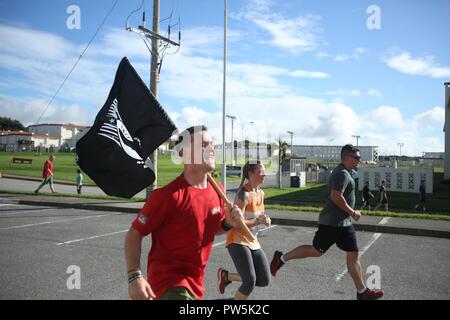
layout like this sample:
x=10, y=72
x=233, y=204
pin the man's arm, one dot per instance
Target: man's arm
x=339, y=200
x=138, y=289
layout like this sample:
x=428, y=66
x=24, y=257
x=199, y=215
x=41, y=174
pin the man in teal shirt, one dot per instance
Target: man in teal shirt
x=335, y=225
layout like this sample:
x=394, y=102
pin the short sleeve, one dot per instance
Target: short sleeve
x=339, y=182
x=153, y=214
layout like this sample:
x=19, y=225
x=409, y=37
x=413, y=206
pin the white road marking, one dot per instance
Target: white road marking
x=374, y=238
x=93, y=237
x=28, y=211
x=51, y=222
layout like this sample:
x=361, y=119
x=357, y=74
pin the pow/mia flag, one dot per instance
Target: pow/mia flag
x=129, y=127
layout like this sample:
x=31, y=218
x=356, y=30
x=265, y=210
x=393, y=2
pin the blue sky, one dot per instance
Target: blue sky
x=312, y=67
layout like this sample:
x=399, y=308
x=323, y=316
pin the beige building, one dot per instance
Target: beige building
x=57, y=136
x=43, y=137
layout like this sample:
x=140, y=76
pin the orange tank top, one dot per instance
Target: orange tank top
x=253, y=209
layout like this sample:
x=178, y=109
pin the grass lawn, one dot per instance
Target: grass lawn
x=316, y=193
x=65, y=167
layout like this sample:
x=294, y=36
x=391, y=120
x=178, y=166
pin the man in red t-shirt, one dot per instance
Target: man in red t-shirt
x=47, y=175
x=183, y=218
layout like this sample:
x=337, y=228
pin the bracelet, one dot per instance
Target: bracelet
x=133, y=271
x=135, y=276
x=226, y=226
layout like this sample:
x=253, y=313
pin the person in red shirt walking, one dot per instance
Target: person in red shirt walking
x=183, y=218
x=47, y=174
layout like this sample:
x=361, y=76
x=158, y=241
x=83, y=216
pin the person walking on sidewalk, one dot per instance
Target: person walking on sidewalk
x=248, y=257
x=79, y=181
x=383, y=197
x=335, y=225
x=47, y=175
x=366, y=196
x=183, y=218
x=422, y=196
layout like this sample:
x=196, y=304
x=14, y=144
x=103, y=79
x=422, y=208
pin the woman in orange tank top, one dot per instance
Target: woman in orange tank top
x=248, y=257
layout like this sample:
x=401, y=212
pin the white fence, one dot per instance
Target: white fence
x=400, y=180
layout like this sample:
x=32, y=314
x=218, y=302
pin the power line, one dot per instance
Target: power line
x=78, y=60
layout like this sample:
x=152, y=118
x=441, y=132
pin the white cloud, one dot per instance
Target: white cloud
x=385, y=117
x=297, y=35
x=344, y=93
x=431, y=118
x=405, y=63
x=28, y=111
x=309, y=74
x=357, y=53
x=374, y=93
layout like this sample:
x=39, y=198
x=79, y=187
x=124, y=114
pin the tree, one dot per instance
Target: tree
x=10, y=124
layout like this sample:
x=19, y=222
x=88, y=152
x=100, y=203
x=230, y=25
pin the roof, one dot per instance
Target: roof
x=15, y=133
x=67, y=125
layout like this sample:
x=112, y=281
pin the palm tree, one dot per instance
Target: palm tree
x=283, y=148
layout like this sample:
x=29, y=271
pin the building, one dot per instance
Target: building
x=43, y=137
x=333, y=153
x=57, y=136
x=433, y=158
x=16, y=141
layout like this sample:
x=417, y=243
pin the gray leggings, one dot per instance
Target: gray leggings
x=251, y=265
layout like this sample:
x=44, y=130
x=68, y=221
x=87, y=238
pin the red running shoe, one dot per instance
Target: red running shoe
x=276, y=263
x=222, y=280
x=370, y=295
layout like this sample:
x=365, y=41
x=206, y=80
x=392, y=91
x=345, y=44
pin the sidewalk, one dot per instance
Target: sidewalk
x=403, y=226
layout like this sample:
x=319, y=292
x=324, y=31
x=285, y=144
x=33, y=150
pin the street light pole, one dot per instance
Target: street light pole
x=232, y=141
x=400, y=144
x=224, y=168
x=357, y=139
x=292, y=150
x=243, y=141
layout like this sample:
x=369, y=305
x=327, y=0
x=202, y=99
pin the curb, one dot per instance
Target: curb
x=371, y=228
x=280, y=221
x=7, y=176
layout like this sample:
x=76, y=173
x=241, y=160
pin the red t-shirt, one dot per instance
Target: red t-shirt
x=48, y=169
x=183, y=221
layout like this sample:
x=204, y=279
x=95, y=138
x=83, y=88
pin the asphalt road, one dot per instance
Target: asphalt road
x=38, y=246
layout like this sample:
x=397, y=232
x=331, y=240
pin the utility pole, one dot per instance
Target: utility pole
x=232, y=141
x=292, y=150
x=154, y=75
x=357, y=139
x=155, y=62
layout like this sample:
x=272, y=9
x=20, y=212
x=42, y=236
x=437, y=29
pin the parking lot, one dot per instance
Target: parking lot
x=39, y=245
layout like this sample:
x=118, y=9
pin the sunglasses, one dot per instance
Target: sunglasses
x=356, y=157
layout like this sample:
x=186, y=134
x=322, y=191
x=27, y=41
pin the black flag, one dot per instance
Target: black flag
x=128, y=128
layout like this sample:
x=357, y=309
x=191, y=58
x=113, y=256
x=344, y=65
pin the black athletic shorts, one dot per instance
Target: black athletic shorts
x=344, y=237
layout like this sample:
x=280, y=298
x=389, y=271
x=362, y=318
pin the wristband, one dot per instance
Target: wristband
x=135, y=276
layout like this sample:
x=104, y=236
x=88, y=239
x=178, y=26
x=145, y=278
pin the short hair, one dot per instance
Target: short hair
x=348, y=149
x=191, y=131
